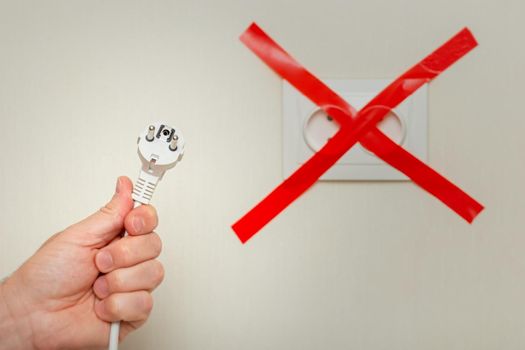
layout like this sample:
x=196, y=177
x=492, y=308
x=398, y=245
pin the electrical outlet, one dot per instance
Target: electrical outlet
x=306, y=128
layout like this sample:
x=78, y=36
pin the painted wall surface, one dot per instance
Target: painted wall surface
x=356, y=265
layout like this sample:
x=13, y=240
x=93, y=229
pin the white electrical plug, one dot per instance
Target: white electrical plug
x=160, y=147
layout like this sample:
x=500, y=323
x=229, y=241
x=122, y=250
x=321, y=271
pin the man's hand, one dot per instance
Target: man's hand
x=81, y=279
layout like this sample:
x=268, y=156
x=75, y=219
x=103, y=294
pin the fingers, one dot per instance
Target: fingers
x=141, y=220
x=128, y=251
x=102, y=226
x=145, y=276
x=134, y=306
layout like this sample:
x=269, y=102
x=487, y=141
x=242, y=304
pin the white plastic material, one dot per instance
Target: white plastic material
x=157, y=156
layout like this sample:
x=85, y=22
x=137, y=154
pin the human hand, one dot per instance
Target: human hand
x=58, y=299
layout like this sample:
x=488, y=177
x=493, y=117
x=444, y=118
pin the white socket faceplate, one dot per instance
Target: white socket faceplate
x=306, y=128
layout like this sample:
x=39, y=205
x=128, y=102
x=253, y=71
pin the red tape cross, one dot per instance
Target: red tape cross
x=356, y=126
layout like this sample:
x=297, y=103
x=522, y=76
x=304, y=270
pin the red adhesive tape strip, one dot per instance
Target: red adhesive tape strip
x=355, y=127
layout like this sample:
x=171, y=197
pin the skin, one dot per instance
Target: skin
x=83, y=278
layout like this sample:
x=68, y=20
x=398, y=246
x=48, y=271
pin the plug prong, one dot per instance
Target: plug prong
x=173, y=143
x=151, y=133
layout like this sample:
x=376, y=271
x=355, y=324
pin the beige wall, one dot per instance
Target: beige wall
x=350, y=265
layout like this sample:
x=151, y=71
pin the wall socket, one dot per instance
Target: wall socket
x=306, y=128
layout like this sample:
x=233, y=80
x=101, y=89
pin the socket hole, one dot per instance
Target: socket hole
x=319, y=128
x=393, y=126
x=165, y=132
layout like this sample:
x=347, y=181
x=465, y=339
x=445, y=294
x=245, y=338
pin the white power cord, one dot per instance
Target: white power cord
x=160, y=147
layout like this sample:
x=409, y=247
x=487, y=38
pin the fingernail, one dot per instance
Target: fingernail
x=101, y=287
x=104, y=260
x=138, y=224
x=117, y=188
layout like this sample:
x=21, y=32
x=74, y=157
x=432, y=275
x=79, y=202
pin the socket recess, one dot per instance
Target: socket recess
x=306, y=128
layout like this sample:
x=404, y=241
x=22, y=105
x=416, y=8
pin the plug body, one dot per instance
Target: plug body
x=160, y=147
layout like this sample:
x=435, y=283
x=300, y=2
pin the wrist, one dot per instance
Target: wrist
x=15, y=332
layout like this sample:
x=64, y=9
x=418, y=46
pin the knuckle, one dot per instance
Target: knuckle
x=147, y=303
x=152, y=215
x=115, y=282
x=158, y=272
x=156, y=243
x=112, y=307
x=108, y=209
x=112, y=212
x=122, y=251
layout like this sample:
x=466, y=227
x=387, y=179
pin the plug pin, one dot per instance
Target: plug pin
x=173, y=143
x=151, y=133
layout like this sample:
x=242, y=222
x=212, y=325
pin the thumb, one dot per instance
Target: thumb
x=100, y=228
